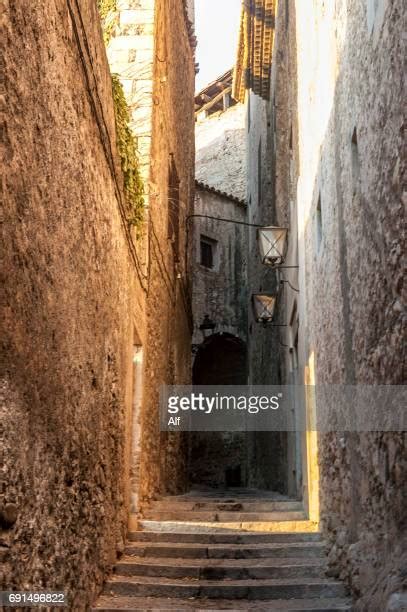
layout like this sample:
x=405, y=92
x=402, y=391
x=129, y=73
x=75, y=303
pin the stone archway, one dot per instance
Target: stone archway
x=220, y=360
x=230, y=459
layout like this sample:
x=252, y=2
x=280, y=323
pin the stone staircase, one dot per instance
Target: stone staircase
x=223, y=552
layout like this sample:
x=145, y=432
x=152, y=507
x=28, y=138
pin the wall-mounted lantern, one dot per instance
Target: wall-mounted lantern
x=264, y=305
x=207, y=327
x=272, y=243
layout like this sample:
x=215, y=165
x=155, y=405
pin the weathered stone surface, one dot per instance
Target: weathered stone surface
x=267, y=451
x=227, y=589
x=169, y=313
x=220, y=292
x=112, y=604
x=221, y=151
x=202, y=536
x=397, y=601
x=338, y=186
x=75, y=292
x=8, y=516
x=236, y=566
x=70, y=296
x=219, y=569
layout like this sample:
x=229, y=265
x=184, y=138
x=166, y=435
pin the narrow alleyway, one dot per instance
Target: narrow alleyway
x=234, y=549
x=203, y=249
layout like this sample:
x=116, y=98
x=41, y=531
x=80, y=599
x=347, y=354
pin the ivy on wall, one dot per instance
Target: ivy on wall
x=133, y=186
x=107, y=11
x=126, y=145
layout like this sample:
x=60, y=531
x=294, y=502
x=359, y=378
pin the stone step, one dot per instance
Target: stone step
x=221, y=569
x=220, y=527
x=167, y=505
x=223, y=517
x=227, y=537
x=226, y=551
x=229, y=495
x=127, y=604
x=223, y=552
x=144, y=586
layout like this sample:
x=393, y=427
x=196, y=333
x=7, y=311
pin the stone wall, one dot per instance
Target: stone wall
x=267, y=451
x=72, y=299
x=95, y=322
x=158, y=80
x=263, y=343
x=169, y=315
x=344, y=165
x=283, y=163
x=220, y=292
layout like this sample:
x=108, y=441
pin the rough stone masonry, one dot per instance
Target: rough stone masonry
x=70, y=289
x=337, y=101
x=77, y=289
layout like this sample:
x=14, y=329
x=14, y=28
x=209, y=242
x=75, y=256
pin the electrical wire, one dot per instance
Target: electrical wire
x=283, y=280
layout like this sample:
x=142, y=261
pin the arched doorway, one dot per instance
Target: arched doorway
x=253, y=459
x=219, y=459
x=220, y=360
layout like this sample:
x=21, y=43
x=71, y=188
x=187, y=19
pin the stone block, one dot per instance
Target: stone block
x=136, y=17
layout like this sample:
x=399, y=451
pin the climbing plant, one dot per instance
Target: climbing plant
x=108, y=15
x=126, y=145
x=133, y=185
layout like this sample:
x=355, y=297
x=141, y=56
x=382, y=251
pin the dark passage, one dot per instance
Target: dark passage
x=219, y=459
x=221, y=360
x=224, y=460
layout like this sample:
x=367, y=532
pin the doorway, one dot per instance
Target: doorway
x=219, y=459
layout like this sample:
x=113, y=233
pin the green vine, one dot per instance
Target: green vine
x=133, y=185
x=126, y=145
x=108, y=15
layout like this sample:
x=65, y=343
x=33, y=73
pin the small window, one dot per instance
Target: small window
x=208, y=252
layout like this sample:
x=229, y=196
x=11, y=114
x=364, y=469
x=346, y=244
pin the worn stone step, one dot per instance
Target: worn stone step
x=228, y=495
x=223, y=517
x=221, y=527
x=227, y=537
x=116, y=603
x=144, y=586
x=226, y=551
x=166, y=505
x=221, y=569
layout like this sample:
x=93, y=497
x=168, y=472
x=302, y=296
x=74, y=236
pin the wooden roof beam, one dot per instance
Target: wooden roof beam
x=215, y=100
